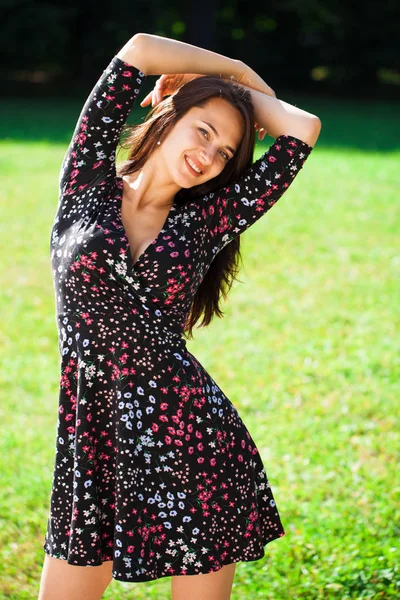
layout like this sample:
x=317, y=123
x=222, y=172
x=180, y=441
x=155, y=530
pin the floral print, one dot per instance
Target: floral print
x=154, y=468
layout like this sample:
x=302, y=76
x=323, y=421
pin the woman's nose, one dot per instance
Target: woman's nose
x=207, y=157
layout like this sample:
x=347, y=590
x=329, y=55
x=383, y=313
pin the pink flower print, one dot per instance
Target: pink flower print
x=81, y=139
x=224, y=224
x=271, y=158
x=97, y=165
x=260, y=205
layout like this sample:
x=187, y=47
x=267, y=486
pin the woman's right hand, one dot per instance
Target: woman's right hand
x=166, y=85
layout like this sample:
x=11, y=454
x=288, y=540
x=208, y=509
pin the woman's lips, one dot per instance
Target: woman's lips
x=191, y=170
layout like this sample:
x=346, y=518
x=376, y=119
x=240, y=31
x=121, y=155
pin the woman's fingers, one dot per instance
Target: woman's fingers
x=160, y=89
x=262, y=132
x=146, y=100
x=166, y=84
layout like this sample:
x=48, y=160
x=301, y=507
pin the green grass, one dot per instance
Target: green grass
x=308, y=352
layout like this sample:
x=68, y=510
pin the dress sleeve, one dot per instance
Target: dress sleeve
x=231, y=210
x=90, y=157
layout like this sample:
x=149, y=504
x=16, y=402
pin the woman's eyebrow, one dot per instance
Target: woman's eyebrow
x=217, y=134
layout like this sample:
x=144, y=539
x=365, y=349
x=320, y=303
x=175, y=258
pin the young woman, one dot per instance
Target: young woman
x=155, y=473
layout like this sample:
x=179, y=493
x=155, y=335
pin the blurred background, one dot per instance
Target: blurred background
x=309, y=347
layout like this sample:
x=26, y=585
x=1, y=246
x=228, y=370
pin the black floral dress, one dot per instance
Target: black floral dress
x=154, y=468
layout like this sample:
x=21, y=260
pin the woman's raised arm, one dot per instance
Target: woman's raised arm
x=281, y=118
x=155, y=55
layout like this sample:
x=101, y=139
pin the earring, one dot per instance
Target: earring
x=158, y=142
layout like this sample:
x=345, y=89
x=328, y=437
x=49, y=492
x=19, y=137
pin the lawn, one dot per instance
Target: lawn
x=308, y=352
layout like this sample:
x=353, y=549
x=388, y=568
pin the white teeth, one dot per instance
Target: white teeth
x=192, y=165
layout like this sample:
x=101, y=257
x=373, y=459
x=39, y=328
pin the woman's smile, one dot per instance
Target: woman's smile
x=191, y=169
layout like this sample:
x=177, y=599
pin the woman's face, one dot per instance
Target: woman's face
x=208, y=137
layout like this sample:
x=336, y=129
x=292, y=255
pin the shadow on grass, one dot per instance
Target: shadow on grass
x=348, y=124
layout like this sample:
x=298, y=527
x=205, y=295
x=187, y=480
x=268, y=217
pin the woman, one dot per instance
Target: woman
x=155, y=473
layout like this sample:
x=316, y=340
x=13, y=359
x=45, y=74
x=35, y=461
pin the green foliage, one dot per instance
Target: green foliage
x=307, y=352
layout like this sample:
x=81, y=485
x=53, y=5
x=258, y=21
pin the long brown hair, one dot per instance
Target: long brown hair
x=141, y=139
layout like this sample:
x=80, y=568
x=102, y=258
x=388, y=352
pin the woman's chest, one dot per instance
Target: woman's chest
x=142, y=228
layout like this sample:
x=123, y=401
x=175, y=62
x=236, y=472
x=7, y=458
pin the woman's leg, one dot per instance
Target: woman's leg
x=210, y=586
x=61, y=581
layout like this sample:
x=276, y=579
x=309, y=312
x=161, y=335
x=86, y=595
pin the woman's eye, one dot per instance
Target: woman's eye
x=224, y=153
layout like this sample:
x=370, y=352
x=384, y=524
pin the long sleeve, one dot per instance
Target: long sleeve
x=90, y=157
x=231, y=210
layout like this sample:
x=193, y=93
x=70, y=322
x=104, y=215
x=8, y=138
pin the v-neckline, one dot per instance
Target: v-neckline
x=144, y=253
